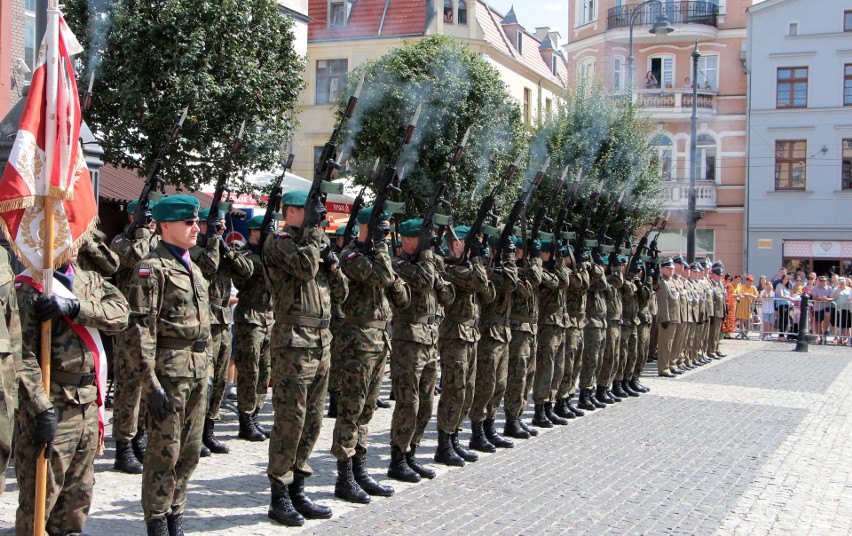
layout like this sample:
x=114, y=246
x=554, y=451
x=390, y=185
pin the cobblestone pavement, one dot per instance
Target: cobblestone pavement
x=757, y=443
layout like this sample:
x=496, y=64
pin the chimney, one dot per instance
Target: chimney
x=554, y=38
x=542, y=32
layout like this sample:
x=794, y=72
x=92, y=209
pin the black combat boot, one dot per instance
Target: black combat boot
x=478, y=441
x=175, y=524
x=210, y=440
x=514, y=428
x=303, y=504
x=561, y=409
x=157, y=527
x=586, y=400
x=333, y=397
x=625, y=386
x=140, y=443
x=125, y=461
x=638, y=387
x=446, y=454
x=493, y=437
x=528, y=429
x=247, y=429
x=618, y=391
x=601, y=397
x=346, y=488
x=552, y=417
x=399, y=469
x=540, y=419
x=259, y=427
x=466, y=455
x=611, y=396
x=572, y=408
x=205, y=452
x=382, y=403
x=281, y=509
x=416, y=466
x=359, y=470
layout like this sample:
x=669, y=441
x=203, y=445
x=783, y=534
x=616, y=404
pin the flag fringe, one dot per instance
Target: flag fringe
x=17, y=204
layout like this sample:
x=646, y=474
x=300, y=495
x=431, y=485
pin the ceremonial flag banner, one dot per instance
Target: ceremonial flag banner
x=47, y=160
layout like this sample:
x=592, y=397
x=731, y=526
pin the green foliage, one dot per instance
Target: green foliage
x=229, y=61
x=457, y=89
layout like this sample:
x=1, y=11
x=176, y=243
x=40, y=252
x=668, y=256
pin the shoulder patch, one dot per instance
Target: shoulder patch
x=352, y=255
x=401, y=262
x=144, y=271
x=283, y=234
x=18, y=284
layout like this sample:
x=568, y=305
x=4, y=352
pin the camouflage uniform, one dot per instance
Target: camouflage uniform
x=550, y=354
x=594, y=332
x=608, y=366
x=253, y=320
x=575, y=308
x=524, y=324
x=629, y=324
x=73, y=396
x=714, y=334
x=364, y=343
x=170, y=334
x=96, y=256
x=415, y=348
x=10, y=358
x=302, y=294
x=647, y=300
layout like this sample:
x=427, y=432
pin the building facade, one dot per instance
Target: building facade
x=18, y=49
x=599, y=46
x=342, y=35
x=800, y=136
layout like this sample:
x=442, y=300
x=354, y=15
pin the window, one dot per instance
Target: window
x=337, y=13
x=30, y=45
x=448, y=11
x=331, y=75
x=792, y=84
x=663, y=69
x=586, y=9
x=663, y=159
x=554, y=64
x=790, y=160
x=586, y=72
x=706, y=146
x=793, y=29
x=548, y=107
x=527, y=105
x=708, y=72
x=462, y=12
x=847, y=84
x=519, y=39
x=846, y=170
x=618, y=73
x=847, y=21
x=673, y=242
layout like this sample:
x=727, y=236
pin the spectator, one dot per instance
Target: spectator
x=767, y=298
x=783, y=299
x=781, y=272
x=687, y=83
x=821, y=295
x=729, y=325
x=811, y=282
x=844, y=311
x=746, y=295
x=707, y=86
x=651, y=81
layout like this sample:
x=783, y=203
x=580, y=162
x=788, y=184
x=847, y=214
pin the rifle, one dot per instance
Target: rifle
x=447, y=224
x=601, y=235
x=653, y=247
x=562, y=215
x=273, y=205
x=541, y=214
x=624, y=236
x=634, y=259
x=519, y=207
x=213, y=222
x=583, y=229
x=152, y=180
x=357, y=205
x=387, y=186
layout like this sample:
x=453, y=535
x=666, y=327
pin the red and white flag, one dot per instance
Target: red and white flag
x=47, y=158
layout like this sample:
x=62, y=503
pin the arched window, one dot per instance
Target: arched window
x=706, y=146
x=586, y=72
x=664, y=146
x=462, y=12
x=448, y=11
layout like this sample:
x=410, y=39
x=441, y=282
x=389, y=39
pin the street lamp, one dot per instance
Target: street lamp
x=691, y=213
x=661, y=28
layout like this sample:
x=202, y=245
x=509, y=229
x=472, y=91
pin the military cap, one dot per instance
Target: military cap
x=296, y=198
x=696, y=267
x=364, y=215
x=680, y=260
x=411, y=228
x=639, y=264
x=254, y=223
x=667, y=263
x=519, y=242
x=176, y=208
x=204, y=213
x=718, y=271
x=718, y=264
x=131, y=207
x=341, y=230
x=546, y=245
x=622, y=260
x=461, y=232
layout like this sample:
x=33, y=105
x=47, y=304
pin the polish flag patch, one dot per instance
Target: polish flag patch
x=144, y=271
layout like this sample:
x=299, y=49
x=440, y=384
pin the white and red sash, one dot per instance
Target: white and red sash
x=91, y=337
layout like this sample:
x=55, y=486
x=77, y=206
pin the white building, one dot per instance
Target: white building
x=799, y=185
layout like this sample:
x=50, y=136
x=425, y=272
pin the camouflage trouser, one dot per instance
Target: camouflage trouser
x=415, y=370
x=549, y=356
x=70, y=475
x=220, y=358
x=593, y=342
x=299, y=385
x=334, y=364
x=627, y=363
x=127, y=408
x=361, y=374
x=458, y=373
x=653, y=336
x=530, y=381
x=492, y=368
x=251, y=357
x=7, y=412
x=611, y=354
x=521, y=350
x=643, y=340
x=573, y=362
x=174, y=445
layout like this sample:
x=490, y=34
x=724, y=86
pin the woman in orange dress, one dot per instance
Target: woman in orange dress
x=729, y=325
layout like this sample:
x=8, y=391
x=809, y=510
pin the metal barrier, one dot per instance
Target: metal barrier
x=826, y=321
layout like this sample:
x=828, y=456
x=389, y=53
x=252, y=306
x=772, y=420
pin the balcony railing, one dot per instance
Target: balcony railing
x=675, y=194
x=678, y=12
x=678, y=100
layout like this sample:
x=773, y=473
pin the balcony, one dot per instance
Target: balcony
x=678, y=12
x=675, y=100
x=675, y=194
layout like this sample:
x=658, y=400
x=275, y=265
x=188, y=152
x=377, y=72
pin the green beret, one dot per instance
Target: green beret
x=341, y=230
x=296, y=198
x=131, y=207
x=176, y=207
x=546, y=245
x=461, y=232
x=622, y=260
x=411, y=227
x=519, y=242
x=254, y=223
x=364, y=215
x=204, y=213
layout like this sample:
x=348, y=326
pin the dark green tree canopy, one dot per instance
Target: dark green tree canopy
x=229, y=61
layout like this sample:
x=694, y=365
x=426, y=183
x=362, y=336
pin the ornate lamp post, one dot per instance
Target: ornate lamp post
x=661, y=28
x=691, y=213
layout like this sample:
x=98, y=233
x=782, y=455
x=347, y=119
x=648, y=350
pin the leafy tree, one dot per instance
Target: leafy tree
x=229, y=61
x=457, y=89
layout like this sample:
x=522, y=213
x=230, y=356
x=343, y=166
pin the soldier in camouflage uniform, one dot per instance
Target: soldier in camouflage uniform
x=219, y=263
x=128, y=413
x=64, y=419
x=170, y=332
x=10, y=357
x=362, y=350
x=415, y=352
x=718, y=290
x=629, y=324
x=594, y=334
x=336, y=321
x=550, y=353
x=304, y=278
x=492, y=356
x=575, y=315
x=608, y=366
x=96, y=256
x=522, y=347
x=647, y=301
x=459, y=334
x=253, y=321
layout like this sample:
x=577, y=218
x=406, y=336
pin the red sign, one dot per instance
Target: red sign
x=340, y=208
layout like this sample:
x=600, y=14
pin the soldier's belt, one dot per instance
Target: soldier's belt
x=494, y=319
x=365, y=323
x=414, y=319
x=462, y=321
x=526, y=319
x=72, y=379
x=306, y=321
x=170, y=343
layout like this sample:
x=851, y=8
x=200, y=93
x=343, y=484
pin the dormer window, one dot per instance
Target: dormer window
x=554, y=65
x=462, y=12
x=519, y=40
x=448, y=11
x=337, y=13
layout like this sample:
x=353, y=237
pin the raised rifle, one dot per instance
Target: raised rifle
x=561, y=222
x=349, y=231
x=602, y=230
x=213, y=223
x=652, y=248
x=273, y=204
x=624, y=237
x=583, y=230
x=643, y=242
x=518, y=208
x=142, y=215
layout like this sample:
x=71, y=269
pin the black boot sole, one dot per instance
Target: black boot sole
x=452, y=462
x=352, y=499
x=412, y=477
x=285, y=521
